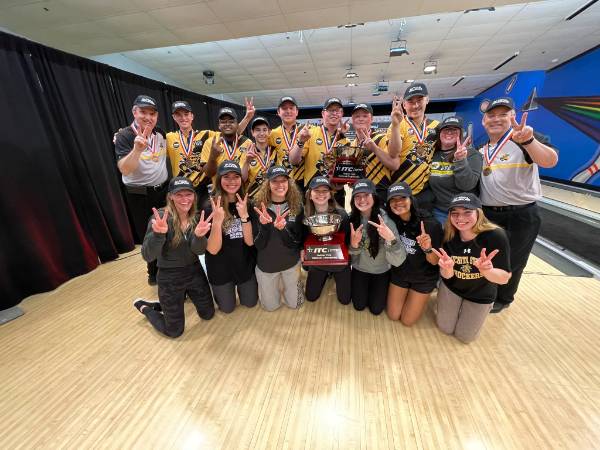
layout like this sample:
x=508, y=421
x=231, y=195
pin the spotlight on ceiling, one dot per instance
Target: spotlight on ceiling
x=351, y=74
x=398, y=48
x=351, y=85
x=409, y=81
x=430, y=67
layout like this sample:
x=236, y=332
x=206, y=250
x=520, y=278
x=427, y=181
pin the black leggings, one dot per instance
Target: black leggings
x=370, y=290
x=173, y=284
x=316, y=280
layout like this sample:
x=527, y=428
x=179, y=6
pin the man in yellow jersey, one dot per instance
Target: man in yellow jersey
x=315, y=142
x=380, y=162
x=226, y=144
x=418, y=135
x=259, y=158
x=283, y=137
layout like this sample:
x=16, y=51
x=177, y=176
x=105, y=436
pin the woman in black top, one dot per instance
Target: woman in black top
x=175, y=239
x=319, y=200
x=473, y=262
x=412, y=282
x=230, y=256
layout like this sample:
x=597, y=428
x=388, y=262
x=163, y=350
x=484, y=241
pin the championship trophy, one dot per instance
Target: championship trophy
x=325, y=245
x=346, y=164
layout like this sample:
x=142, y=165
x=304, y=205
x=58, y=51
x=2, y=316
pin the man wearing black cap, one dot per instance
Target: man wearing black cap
x=283, y=138
x=259, y=158
x=418, y=136
x=510, y=185
x=380, y=162
x=141, y=151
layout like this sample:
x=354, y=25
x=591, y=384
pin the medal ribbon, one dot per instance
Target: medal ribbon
x=328, y=147
x=289, y=143
x=490, y=152
x=187, y=147
x=263, y=163
x=151, y=142
x=419, y=134
x=230, y=152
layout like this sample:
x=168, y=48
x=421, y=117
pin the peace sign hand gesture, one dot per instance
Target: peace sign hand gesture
x=203, y=225
x=521, y=131
x=159, y=224
x=397, y=114
x=215, y=147
x=424, y=240
x=344, y=127
x=263, y=214
x=484, y=262
x=251, y=153
x=141, y=139
x=355, y=236
x=218, y=213
x=383, y=230
x=444, y=261
x=250, y=109
x=280, y=221
x=363, y=137
x=304, y=133
x=461, y=149
x=242, y=206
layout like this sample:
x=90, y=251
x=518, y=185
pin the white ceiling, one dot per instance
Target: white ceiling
x=267, y=66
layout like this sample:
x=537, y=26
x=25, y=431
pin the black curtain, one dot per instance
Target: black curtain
x=61, y=197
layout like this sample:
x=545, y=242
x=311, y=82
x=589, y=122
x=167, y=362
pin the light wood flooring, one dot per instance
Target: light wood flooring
x=83, y=369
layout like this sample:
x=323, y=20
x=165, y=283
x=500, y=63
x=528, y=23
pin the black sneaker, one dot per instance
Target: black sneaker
x=152, y=280
x=139, y=302
x=498, y=307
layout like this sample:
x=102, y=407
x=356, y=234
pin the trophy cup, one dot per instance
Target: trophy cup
x=346, y=164
x=325, y=245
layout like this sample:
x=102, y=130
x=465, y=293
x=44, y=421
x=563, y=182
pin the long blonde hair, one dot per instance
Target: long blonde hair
x=482, y=224
x=177, y=233
x=293, y=197
x=218, y=190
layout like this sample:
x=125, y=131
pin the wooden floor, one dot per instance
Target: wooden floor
x=83, y=369
x=585, y=201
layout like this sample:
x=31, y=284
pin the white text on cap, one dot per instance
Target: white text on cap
x=461, y=198
x=230, y=166
x=178, y=182
x=359, y=185
x=147, y=100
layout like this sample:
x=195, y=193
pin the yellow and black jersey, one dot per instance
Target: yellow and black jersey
x=282, y=142
x=319, y=144
x=416, y=153
x=257, y=169
x=376, y=170
x=185, y=154
x=232, y=151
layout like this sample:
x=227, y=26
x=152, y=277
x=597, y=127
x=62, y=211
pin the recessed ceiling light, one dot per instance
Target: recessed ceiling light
x=430, y=67
x=351, y=85
x=409, y=81
x=351, y=74
x=554, y=60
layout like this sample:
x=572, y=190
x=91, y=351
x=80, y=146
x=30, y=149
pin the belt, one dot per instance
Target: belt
x=509, y=207
x=143, y=190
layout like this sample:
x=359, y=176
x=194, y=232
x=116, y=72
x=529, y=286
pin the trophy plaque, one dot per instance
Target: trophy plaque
x=325, y=245
x=346, y=164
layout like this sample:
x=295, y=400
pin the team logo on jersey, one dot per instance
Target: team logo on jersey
x=466, y=268
x=278, y=141
x=411, y=131
x=253, y=163
x=176, y=145
x=198, y=144
x=319, y=141
x=504, y=157
x=430, y=130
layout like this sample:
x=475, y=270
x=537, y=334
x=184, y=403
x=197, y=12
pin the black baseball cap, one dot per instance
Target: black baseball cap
x=145, y=101
x=287, y=98
x=454, y=121
x=501, y=101
x=258, y=120
x=332, y=101
x=465, y=200
x=276, y=171
x=229, y=166
x=365, y=186
x=227, y=111
x=400, y=189
x=180, y=184
x=180, y=104
x=414, y=90
x=319, y=181
x=364, y=106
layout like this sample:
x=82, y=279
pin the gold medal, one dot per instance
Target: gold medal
x=487, y=170
x=155, y=157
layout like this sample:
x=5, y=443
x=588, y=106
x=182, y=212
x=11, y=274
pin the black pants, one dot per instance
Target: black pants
x=173, y=284
x=522, y=227
x=317, y=277
x=225, y=294
x=370, y=290
x=140, y=201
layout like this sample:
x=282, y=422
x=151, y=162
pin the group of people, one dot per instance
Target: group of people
x=431, y=213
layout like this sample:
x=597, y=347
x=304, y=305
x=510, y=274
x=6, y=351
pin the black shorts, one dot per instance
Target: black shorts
x=423, y=285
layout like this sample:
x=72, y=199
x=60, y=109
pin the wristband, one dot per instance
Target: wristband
x=244, y=220
x=428, y=251
x=528, y=141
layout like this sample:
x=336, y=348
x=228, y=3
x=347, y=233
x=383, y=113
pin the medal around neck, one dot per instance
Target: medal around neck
x=325, y=245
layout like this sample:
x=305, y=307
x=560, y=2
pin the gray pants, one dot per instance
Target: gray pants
x=224, y=294
x=458, y=317
x=269, y=288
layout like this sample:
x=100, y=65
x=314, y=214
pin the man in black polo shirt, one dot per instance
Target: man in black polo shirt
x=141, y=151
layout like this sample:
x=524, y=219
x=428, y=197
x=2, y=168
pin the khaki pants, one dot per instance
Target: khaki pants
x=458, y=317
x=270, y=284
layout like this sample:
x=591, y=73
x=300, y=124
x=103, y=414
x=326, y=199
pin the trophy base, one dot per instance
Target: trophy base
x=325, y=253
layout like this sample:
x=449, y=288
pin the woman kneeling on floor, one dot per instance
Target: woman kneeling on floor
x=469, y=277
x=175, y=237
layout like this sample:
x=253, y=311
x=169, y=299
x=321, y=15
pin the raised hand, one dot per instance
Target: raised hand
x=461, y=148
x=218, y=213
x=397, y=114
x=159, y=224
x=484, y=262
x=355, y=235
x=521, y=131
x=363, y=137
x=383, y=230
x=444, y=261
x=344, y=127
x=242, y=206
x=203, y=225
x=250, y=109
x=215, y=147
x=251, y=153
x=141, y=140
x=263, y=215
x=280, y=221
x=304, y=133
x=424, y=240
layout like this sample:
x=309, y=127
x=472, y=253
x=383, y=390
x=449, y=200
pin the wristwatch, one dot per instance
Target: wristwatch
x=392, y=242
